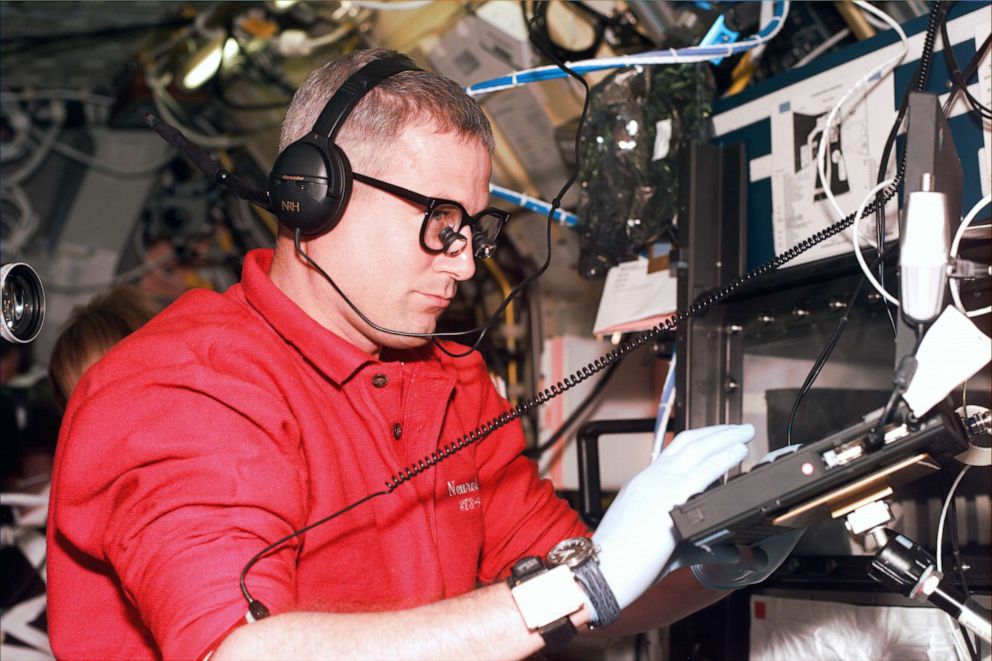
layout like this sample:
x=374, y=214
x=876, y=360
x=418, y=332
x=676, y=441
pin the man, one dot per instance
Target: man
x=231, y=421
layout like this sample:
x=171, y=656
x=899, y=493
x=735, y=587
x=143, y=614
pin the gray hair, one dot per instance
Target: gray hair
x=404, y=99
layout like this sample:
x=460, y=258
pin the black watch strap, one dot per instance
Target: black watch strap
x=558, y=634
x=600, y=594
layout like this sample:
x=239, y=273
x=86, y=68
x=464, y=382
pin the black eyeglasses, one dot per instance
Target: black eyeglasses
x=441, y=230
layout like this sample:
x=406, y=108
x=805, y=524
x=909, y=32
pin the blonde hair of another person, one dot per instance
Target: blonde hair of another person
x=91, y=330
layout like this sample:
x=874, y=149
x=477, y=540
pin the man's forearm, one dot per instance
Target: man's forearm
x=483, y=624
x=677, y=595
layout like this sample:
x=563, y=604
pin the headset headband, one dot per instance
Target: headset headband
x=352, y=90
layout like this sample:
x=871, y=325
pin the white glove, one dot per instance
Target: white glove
x=637, y=536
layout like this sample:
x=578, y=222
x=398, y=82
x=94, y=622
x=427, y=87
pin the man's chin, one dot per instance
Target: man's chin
x=404, y=342
x=399, y=342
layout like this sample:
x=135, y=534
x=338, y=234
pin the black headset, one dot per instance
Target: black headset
x=311, y=180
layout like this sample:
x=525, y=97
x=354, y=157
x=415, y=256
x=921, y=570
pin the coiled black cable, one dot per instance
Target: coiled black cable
x=536, y=451
x=701, y=303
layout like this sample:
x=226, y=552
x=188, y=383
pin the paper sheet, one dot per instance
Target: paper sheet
x=951, y=352
x=634, y=299
x=800, y=207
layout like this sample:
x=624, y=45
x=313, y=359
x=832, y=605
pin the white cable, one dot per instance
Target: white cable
x=170, y=102
x=162, y=98
x=395, y=5
x=953, y=253
x=120, y=279
x=527, y=76
x=857, y=243
x=56, y=94
x=331, y=37
x=874, y=22
x=109, y=168
x=140, y=270
x=200, y=24
x=147, y=265
x=767, y=12
x=24, y=225
x=12, y=499
x=822, y=48
x=880, y=71
x=20, y=122
x=563, y=216
x=44, y=148
x=155, y=52
x=943, y=515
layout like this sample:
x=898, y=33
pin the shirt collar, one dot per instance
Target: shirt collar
x=331, y=354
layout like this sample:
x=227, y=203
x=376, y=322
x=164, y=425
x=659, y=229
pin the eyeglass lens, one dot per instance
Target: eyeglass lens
x=442, y=229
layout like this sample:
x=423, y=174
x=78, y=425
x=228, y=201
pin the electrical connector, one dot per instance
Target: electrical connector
x=966, y=269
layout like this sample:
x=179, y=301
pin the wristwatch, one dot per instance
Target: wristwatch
x=546, y=598
x=579, y=555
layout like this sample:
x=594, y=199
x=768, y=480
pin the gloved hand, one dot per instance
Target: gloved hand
x=752, y=564
x=728, y=566
x=637, y=536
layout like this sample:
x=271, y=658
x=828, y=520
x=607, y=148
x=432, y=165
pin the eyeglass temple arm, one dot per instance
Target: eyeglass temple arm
x=398, y=191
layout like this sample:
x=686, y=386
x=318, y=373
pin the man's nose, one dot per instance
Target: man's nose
x=461, y=262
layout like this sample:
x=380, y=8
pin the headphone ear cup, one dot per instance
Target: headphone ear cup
x=309, y=185
x=339, y=168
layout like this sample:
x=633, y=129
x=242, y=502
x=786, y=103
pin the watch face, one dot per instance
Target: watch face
x=571, y=552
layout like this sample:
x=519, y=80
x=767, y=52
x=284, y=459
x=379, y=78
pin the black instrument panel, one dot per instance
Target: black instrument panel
x=819, y=480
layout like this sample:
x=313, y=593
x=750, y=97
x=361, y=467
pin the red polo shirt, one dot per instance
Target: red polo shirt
x=231, y=420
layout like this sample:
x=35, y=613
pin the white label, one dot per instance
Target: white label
x=662, y=139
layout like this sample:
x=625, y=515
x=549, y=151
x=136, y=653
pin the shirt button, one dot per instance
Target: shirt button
x=397, y=431
x=380, y=380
